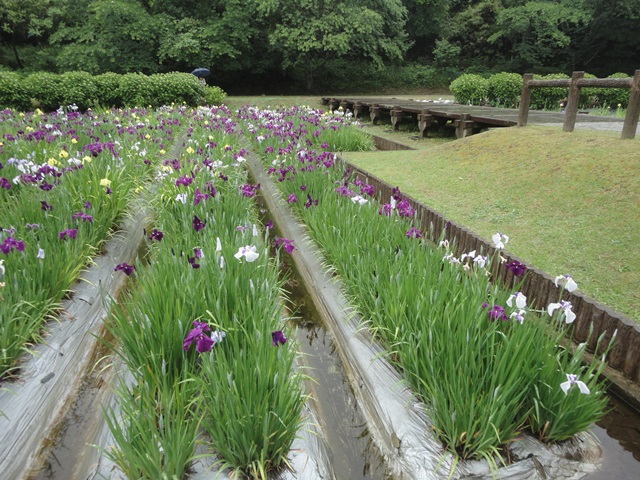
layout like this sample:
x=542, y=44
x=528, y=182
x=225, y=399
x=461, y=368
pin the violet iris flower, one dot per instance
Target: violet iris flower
x=495, y=313
x=45, y=206
x=414, y=233
x=197, y=334
x=198, y=224
x=125, y=268
x=11, y=243
x=278, y=338
x=516, y=268
x=286, y=244
x=69, y=232
x=82, y=216
x=156, y=235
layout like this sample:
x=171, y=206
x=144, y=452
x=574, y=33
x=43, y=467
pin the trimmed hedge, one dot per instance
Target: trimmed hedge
x=470, y=88
x=504, y=90
x=49, y=91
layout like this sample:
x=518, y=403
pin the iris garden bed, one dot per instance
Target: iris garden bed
x=486, y=366
x=200, y=329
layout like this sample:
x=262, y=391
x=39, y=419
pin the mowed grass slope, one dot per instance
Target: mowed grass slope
x=569, y=201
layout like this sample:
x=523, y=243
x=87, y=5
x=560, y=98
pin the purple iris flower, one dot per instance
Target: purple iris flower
x=198, y=224
x=248, y=190
x=495, y=313
x=11, y=243
x=367, y=190
x=109, y=191
x=4, y=183
x=516, y=268
x=125, y=268
x=45, y=206
x=82, y=216
x=45, y=186
x=197, y=334
x=414, y=233
x=385, y=210
x=278, y=338
x=156, y=235
x=404, y=209
x=303, y=187
x=199, y=196
x=269, y=224
x=69, y=232
x=185, y=181
x=87, y=205
x=310, y=202
x=286, y=244
x=292, y=199
x=194, y=262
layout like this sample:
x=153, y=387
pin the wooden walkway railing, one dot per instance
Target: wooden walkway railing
x=575, y=84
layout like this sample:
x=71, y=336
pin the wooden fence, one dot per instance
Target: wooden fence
x=575, y=84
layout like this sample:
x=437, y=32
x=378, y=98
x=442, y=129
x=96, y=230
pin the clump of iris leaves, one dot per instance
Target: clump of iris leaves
x=202, y=331
x=64, y=186
x=484, y=376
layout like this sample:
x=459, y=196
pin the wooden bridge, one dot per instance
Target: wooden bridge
x=466, y=119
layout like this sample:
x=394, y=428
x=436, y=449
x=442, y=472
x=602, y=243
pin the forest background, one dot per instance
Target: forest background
x=295, y=46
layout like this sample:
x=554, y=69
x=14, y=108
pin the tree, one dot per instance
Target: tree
x=612, y=43
x=109, y=36
x=536, y=33
x=309, y=32
x=22, y=21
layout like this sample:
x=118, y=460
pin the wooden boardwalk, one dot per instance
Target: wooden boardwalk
x=466, y=119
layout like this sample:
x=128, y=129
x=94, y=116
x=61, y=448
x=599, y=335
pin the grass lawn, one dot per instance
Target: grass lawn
x=569, y=201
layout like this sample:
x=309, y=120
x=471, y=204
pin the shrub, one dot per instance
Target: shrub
x=13, y=93
x=470, y=88
x=612, y=97
x=134, y=90
x=168, y=88
x=505, y=89
x=46, y=90
x=107, y=87
x=78, y=88
x=214, y=95
x=590, y=97
x=549, y=97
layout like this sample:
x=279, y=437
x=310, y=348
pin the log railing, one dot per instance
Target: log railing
x=575, y=84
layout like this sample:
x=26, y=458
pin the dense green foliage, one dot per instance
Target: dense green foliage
x=286, y=45
x=470, y=88
x=504, y=90
x=49, y=91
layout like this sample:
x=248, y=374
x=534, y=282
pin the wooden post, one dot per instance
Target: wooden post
x=633, y=109
x=396, y=115
x=357, y=108
x=525, y=100
x=464, y=125
x=424, y=122
x=374, y=113
x=571, y=111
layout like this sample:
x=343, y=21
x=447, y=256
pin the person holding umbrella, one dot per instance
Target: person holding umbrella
x=201, y=73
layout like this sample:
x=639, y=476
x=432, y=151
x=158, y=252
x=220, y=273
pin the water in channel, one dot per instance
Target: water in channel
x=350, y=449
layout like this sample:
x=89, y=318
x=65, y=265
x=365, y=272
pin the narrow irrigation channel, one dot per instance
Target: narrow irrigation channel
x=349, y=446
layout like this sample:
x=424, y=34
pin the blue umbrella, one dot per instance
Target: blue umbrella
x=201, y=72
